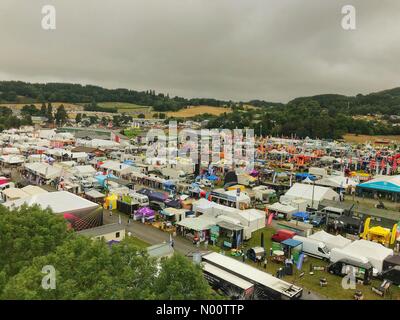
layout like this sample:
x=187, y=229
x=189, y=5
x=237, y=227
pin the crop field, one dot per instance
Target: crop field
x=372, y=139
x=198, y=110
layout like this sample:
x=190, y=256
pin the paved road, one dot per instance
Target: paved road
x=153, y=235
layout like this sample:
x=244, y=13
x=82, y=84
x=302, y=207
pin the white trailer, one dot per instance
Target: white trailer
x=266, y=285
x=174, y=174
x=140, y=198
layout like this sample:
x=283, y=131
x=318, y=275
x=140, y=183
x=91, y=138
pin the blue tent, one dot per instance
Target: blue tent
x=291, y=243
x=212, y=178
x=129, y=162
x=169, y=183
x=303, y=176
x=380, y=186
x=302, y=216
x=102, y=179
x=195, y=187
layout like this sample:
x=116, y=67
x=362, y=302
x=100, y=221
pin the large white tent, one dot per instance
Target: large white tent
x=330, y=240
x=336, y=182
x=44, y=170
x=311, y=193
x=59, y=202
x=118, y=167
x=375, y=253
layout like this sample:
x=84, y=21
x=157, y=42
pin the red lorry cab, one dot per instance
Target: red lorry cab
x=282, y=235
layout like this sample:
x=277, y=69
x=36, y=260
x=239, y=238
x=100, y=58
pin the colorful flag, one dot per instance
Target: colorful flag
x=299, y=264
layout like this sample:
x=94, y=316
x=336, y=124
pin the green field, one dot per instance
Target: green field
x=122, y=106
x=128, y=108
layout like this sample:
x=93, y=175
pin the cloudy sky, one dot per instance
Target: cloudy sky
x=229, y=49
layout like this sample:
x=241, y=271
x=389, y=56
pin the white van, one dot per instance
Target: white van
x=140, y=198
x=314, y=248
x=333, y=212
x=7, y=185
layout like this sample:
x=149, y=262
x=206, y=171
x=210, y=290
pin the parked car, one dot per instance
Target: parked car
x=157, y=206
x=318, y=219
x=282, y=235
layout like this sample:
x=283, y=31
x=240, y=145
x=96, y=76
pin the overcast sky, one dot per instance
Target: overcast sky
x=228, y=49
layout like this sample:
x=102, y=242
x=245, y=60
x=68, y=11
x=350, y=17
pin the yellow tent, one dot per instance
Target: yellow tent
x=379, y=231
x=111, y=202
x=237, y=186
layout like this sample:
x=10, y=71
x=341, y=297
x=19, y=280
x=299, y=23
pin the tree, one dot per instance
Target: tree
x=141, y=116
x=49, y=113
x=29, y=110
x=5, y=112
x=88, y=269
x=181, y=279
x=93, y=119
x=43, y=110
x=61, y=115
x=78, y=117
x=27, y=233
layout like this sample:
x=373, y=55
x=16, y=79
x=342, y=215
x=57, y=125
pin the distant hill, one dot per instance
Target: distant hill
x=385, y=102
x=23, y=92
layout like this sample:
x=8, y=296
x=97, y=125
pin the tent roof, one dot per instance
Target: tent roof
x=291, y=243
x=300, y=214
x=308, y=192
x=33, y=190
x=58, y=201
x=198, y=224
x=44, y=169
x=383, y=183
x=94, y=194
x=282, y=208
x=15, y=193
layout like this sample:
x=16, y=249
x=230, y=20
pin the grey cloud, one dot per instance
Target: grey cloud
x=229, y=49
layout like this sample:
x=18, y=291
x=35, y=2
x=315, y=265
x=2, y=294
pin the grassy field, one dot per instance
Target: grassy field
x=333, y=290
x=198, y=110
x=122, y=105
x=128, y=108
x=366, y=138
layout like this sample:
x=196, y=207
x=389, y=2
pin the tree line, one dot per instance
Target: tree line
x=302, y=119
x=14, y=91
